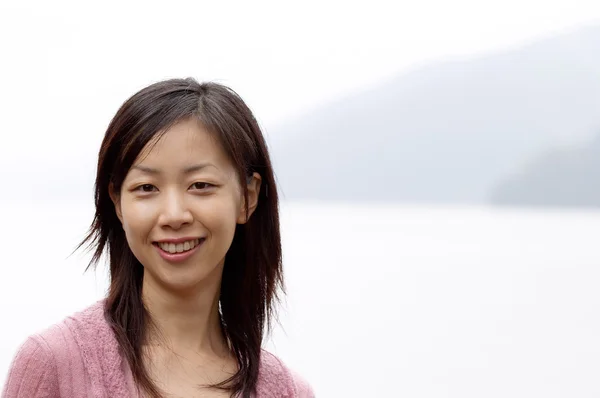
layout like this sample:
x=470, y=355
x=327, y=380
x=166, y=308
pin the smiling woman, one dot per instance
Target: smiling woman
x=187, y=212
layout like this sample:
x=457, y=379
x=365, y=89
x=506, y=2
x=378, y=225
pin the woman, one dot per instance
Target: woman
x=187, y=213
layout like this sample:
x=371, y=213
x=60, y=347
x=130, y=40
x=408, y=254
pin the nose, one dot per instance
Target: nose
x=175, y=212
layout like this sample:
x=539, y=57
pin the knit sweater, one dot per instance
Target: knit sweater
x=80, y=358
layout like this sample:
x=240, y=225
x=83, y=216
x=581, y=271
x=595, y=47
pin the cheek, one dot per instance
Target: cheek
x=220, y=216
x=137, y=222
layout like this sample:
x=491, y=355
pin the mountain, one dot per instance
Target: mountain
x=562, y=177
x=449, y=132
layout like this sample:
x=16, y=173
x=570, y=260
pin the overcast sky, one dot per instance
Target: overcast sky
x=66, y=66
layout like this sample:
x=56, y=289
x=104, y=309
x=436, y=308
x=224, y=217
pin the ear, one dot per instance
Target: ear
x=116, y=199
x=254, y=182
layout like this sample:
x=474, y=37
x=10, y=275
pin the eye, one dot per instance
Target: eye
x=146, y=188
x=202, y=186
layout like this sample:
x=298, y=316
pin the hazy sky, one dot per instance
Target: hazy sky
x=66, y=67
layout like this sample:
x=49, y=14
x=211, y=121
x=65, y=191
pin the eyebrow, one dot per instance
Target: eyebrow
x=188, y=170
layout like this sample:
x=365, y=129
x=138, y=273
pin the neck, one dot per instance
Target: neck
x=185, y=322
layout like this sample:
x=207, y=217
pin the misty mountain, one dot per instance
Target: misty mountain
x=449, y=132
x=560, y=177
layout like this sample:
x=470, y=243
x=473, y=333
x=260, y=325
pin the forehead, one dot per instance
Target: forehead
x=184, y=142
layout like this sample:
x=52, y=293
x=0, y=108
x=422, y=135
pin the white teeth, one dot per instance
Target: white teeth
x=179, y=247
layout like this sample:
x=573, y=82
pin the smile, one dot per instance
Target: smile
x=177, y=252
x=181, y=247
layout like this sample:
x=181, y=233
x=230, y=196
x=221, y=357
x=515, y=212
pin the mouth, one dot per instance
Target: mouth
x=181, y=247
x=178, y=251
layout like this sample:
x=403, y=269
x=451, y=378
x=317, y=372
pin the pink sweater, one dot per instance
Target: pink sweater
x=80, y=357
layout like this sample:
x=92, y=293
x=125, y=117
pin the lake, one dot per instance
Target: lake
x=383, y=300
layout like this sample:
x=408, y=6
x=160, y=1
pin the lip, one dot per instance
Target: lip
x=177, y=257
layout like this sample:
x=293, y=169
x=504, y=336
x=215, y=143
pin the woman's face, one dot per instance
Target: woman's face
x=179, y=205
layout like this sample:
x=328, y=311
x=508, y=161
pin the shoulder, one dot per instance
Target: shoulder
x=48, y=359
x=77, y=332
x=33, y=370
x=278, y=380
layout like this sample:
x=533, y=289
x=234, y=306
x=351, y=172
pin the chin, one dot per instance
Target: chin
x=181, y=280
